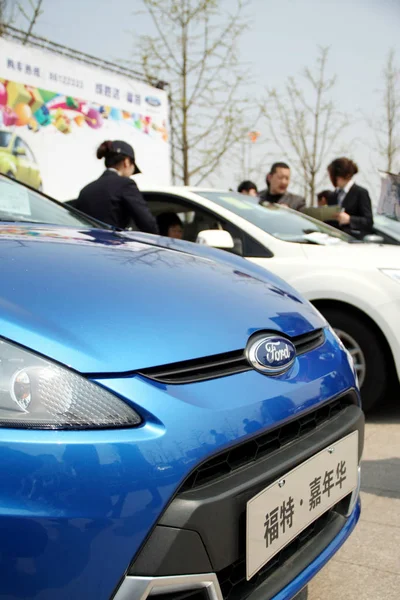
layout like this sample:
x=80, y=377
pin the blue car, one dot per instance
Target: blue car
x=175, y=423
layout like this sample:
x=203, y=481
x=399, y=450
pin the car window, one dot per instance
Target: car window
x=20, y=204
x=194, y=218
x=5, y=138
x=278, y=221
x=19, y=143
x=389, y=226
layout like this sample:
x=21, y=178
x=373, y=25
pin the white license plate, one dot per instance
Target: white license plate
x=280, y=512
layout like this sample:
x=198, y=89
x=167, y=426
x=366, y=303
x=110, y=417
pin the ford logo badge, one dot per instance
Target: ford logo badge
x=271, y=354
x=152, y=101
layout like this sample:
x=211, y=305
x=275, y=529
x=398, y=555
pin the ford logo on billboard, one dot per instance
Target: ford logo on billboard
x=152, y=101
x=271, y=354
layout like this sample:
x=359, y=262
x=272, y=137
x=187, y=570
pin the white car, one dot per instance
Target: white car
x=356, y=286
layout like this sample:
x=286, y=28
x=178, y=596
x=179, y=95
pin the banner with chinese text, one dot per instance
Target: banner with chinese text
x=55, y=112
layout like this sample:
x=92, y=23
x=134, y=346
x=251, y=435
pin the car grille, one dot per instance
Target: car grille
x=221, y=365
x=232, y=579
x=264, y=444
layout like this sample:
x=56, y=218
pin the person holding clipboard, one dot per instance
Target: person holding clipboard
x=354, y=215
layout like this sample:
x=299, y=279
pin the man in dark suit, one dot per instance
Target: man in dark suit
x=355, y=216
x=278, y=180
x=114, y=197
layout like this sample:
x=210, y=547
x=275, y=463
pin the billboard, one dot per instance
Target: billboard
x=55, y=112
x=389, y=202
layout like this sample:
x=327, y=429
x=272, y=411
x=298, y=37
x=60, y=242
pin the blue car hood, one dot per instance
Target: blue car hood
x=104, y=302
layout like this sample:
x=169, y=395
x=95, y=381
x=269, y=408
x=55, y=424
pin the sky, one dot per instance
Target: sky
x=282, y=39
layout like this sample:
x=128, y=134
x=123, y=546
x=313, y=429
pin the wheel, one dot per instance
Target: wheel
x=367, y=351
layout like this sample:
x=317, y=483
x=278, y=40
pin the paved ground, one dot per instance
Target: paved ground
x=368, y=565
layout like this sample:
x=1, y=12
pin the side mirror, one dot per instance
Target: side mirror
x=20, y=151
x=373, y=239
x=216, y=238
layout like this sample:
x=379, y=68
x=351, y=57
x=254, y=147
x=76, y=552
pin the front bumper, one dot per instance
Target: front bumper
x=198, y=546
x=206, y=586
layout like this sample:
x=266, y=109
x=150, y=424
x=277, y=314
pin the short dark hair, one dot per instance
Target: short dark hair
x=342, y=167
x=275, y=167
x=331, y=198
x=278, y=165
x=246, y=186
x=167, y=220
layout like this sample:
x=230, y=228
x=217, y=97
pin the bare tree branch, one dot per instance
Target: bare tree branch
x=6, y=15
x=152, y=8
x=304, y=124
x=32, y=20
x=196, y=43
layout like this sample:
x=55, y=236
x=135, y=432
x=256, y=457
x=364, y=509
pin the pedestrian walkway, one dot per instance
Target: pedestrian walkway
x=368, y=565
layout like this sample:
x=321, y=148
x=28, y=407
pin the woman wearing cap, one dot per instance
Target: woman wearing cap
x=114, y=198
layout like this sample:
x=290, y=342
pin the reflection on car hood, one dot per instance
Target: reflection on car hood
x=102, y=302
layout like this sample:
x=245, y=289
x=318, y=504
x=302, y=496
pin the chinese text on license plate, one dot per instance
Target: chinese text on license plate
x=280, y=512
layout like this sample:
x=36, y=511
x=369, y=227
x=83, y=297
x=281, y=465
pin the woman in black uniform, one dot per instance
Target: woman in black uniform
x=354, y=204
x=114, y=198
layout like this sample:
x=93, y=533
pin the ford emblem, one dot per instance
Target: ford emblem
x=271, y=354
x=152, y=101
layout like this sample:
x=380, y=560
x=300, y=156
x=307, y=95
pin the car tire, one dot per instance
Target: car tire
x=365, y=345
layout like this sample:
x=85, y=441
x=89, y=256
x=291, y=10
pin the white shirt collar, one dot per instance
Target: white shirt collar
x=348, y=186
x=114, y=170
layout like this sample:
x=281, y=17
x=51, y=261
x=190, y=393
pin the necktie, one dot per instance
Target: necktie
x=341, y=196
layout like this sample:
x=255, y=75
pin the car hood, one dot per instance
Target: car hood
x=357, y=255
x=102, y=302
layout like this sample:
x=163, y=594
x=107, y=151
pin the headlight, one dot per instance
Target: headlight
x=38, y=394
x=392, y=273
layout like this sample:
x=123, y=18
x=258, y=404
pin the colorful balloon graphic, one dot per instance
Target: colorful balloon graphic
x=80, y=120
x=24, y=114
x=93, y=118
x=3, y=95
x=115, y=114
x=9, y=116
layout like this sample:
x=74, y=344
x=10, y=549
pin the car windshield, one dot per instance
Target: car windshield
x=5, y=138
x=277, y=220
x=387, y=225
x=21, y=204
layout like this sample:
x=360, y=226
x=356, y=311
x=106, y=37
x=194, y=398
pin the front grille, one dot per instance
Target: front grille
x=232, y=579
x=200, y=369
x=309, y=341
x=264, y=444
x=221, y=365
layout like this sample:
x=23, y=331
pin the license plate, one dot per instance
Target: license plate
x=280, y=512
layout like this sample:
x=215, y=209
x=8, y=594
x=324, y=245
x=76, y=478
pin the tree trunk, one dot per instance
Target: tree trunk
x=185, y=144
